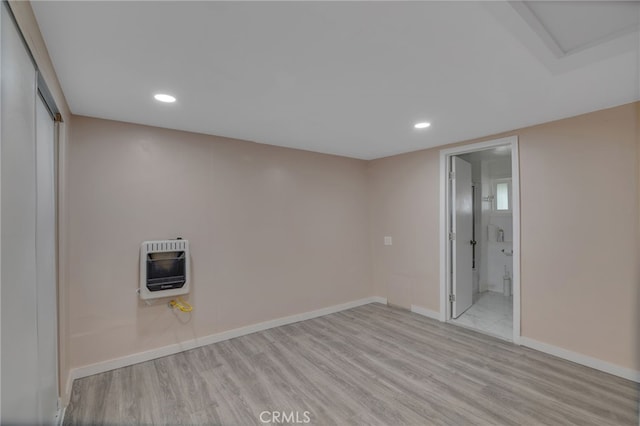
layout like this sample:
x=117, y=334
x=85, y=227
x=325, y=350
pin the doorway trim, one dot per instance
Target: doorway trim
x=445, y=257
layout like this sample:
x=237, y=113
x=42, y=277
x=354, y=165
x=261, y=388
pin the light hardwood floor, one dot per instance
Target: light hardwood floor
x=371, y=365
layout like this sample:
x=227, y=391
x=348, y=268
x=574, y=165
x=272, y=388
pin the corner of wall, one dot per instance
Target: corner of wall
x=370, y=226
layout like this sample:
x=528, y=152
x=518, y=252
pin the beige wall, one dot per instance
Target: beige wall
x=403, y=204
x=273, y=232
x=277, y=231
x=579, y=202
x=579, y=232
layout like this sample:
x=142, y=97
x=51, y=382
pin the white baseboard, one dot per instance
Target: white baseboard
x=67, y=390
x=425, y=312
x=378, y=299
x=101, y=367
x=60, y=416
x=598, y=364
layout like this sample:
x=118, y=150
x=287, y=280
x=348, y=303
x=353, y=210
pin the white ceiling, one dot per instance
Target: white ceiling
x=346, y=78
x=577, y=25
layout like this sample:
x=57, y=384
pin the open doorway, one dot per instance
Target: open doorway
x=480, y=222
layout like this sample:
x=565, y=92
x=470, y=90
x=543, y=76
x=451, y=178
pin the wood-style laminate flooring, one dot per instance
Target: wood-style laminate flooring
x=371, y=365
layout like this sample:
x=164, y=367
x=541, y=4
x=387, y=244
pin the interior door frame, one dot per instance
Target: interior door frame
x=445, y=224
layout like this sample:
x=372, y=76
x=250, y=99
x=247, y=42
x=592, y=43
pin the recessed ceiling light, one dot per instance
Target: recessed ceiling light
x=422, y=125
x=164, y=98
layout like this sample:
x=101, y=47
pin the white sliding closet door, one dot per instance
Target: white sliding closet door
x=46, y=265
x=28, y=285
x=17, y=228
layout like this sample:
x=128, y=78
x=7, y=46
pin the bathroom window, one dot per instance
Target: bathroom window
x=502, y=191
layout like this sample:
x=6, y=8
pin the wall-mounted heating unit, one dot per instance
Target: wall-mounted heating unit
x=164, y=268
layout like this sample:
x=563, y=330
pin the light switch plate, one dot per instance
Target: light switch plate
x=387, y=241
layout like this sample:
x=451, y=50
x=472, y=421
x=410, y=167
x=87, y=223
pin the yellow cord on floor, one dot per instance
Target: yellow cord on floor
x=181, y=304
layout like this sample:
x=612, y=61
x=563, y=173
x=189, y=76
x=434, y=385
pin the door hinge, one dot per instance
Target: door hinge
x=452, y=298
x=452, y=236
x=452, y=175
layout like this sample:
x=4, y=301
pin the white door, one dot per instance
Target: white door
x=462, y=229
x=46, y=266
x=28, y=301
x=18, y=231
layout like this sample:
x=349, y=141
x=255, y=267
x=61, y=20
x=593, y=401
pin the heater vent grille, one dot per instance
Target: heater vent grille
x=165, y=245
